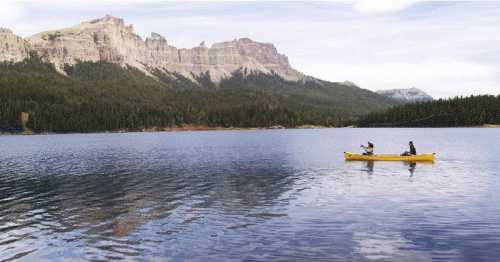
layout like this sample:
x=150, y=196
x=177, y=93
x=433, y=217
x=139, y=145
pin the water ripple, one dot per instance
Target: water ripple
x=282, y=195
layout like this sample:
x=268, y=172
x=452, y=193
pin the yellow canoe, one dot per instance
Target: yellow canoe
x=388, y=157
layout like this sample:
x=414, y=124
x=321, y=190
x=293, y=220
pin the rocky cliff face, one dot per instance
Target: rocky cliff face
x=110, y=39
x=12, y=48
x=409, y=95
x=107, y=39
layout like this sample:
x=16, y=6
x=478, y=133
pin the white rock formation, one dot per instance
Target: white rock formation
x=12, y=48
x=110, y=39
x=107, y=39
x=409, y=95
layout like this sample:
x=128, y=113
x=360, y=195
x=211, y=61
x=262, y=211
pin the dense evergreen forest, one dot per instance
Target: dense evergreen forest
x=101, y=96
x=459, y=111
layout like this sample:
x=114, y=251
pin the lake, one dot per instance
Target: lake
x=254, y=195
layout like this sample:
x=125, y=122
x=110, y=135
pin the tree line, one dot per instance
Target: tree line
x=454, y=112
x=100, y=96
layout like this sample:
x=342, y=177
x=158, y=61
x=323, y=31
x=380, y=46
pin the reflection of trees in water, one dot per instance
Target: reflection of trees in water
x=244, y=186
x=113, y=201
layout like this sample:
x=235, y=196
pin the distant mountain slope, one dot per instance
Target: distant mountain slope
x=409, y=95
x=100, y=75
x=104, y=96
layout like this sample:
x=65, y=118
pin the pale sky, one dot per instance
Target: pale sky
x=444, y=48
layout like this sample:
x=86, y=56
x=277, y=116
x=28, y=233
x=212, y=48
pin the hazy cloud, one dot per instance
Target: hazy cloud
x=383, y=6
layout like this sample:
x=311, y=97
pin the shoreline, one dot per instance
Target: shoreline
x=491, y=126
x=168, y=129
x=207, y=128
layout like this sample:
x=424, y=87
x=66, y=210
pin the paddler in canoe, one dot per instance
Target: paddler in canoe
x=412, y=151
x=368, y=149
x=369, y=155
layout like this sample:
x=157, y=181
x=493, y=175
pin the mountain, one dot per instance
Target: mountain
x=12, y=48
x=100, y=76
x=410, y=95
x=110, y=39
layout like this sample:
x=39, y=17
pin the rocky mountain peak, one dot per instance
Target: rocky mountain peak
x=5, y=31
x=157, y=38
x=108, y=20
x=107, y=23
x=12, y=47
x=245, y=40
x=110, y=39
x=409, y=95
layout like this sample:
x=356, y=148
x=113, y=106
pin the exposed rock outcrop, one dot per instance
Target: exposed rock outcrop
x=12, y=47
x=409, y=95
x=110, y=39
x=106, y=39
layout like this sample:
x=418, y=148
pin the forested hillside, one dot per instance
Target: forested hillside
x=105, y=97
x=459, y=111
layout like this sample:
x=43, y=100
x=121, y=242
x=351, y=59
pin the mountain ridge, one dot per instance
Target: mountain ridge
x=101, y=76
x=110, y=39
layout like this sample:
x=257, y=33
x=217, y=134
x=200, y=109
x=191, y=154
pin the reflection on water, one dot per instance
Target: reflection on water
x=248, y=195
x=411, y=166
x=369, y=166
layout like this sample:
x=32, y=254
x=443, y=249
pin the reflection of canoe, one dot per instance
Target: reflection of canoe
x=382, y=157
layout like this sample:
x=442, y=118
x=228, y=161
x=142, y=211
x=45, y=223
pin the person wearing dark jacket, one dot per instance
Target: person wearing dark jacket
x=368, y=149
x=412, y=151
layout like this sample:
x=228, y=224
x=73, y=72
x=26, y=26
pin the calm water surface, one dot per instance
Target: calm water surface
x=249, y=195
